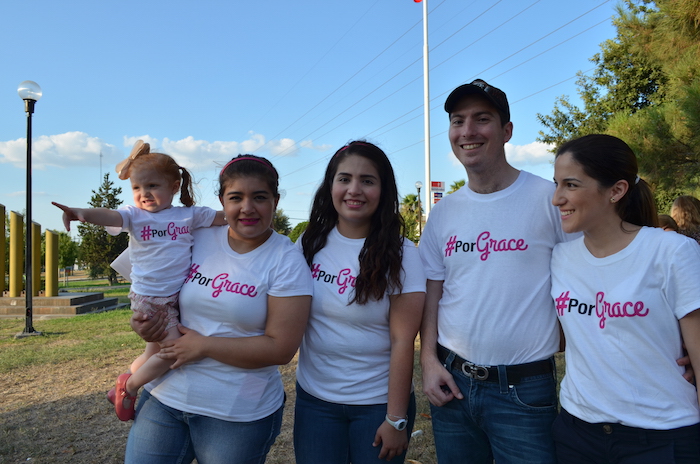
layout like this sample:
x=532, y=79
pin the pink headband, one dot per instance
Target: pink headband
x=274, y=171
x=351, y=143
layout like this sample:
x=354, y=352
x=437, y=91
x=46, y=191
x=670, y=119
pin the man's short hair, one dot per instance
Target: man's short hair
x=479, y=87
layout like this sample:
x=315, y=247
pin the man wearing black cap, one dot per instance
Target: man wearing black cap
x=489, y=329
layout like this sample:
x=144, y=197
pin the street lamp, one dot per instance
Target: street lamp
x=419, y=184
x=30, y=92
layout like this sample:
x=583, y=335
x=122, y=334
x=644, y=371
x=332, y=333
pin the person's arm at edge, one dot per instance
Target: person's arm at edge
x=405, y=314
x=285, y=327
x=690, y=330
x=435, y=376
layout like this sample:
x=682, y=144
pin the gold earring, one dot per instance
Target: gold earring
x=612, y=200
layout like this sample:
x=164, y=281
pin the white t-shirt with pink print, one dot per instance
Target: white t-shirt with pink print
x=493, y=252
x=344, y=357
x=226, y=295
x=160, y=245
x=620, y=318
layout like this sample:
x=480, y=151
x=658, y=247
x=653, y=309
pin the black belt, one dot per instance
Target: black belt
x=515, y=372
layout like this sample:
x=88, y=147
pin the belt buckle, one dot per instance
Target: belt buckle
x=474, y=371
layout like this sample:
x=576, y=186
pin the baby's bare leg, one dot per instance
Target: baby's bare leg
x=153, y=366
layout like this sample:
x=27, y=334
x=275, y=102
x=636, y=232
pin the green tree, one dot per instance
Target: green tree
x=645, y=90
x=298, y=230
x=409, y=209
x=67, y=250
x=625, y=80
x=456, y=185
x=281, y=222
x=97, y=248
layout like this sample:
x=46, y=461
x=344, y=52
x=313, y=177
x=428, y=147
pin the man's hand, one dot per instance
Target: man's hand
x=438, y=384
x=689, y=373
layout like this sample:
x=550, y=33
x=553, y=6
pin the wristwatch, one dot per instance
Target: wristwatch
x=399, y=424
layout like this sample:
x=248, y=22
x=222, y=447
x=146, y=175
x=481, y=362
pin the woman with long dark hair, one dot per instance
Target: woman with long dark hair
x=355, y=399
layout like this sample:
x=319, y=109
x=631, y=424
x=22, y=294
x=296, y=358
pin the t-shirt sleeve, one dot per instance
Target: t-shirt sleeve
x=292, y=276
x=413, y=274
x=684, y=278
x=203, y=216
x=126, y=222
x=430, y=253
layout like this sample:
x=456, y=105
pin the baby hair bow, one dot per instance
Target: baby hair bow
x=140, y=148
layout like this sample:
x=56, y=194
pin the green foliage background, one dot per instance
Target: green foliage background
x=646, y=90
x=97, y=248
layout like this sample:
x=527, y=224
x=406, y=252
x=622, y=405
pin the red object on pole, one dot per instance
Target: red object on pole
x=417, y=1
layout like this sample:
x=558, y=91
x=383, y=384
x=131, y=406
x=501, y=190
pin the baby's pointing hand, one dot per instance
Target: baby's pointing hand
x=69, y=214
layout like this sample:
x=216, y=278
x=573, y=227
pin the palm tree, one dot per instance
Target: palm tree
x=456, y=185
x=410, y=207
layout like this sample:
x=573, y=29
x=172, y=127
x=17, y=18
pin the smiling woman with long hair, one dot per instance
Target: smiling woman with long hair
x=355, y=398
x=627, y=297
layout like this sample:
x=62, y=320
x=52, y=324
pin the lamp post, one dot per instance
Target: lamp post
x=30, y=92
x=419, y=184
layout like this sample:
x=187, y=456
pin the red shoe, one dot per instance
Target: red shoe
x=111, y=395
x=124, y=403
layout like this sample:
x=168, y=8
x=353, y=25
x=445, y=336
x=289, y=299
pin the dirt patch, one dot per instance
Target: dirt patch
x=59, y=413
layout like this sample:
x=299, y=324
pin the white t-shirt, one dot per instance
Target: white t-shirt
x=620, y=318
x=225, y=295
x=493, y=251
x=344, y=357
x=160, y=244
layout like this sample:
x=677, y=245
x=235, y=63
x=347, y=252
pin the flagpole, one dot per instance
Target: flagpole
x=426, y=113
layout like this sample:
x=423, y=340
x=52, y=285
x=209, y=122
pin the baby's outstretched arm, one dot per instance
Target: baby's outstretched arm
x=98, y=216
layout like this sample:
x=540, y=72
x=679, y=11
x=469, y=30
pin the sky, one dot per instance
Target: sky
x=292, y=81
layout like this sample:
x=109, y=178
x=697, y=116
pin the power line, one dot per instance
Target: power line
x=439, y=97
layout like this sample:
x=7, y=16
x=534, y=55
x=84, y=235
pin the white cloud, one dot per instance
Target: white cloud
x=283, y=147
x=78, y=149
x=62, y=150
x=201, y=154
x=532, y=154
x=534, y=157
x=310, y=145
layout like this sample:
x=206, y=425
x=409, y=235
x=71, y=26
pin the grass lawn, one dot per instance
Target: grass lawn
x=53, y=386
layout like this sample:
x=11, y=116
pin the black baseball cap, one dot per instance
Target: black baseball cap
x=480, y=87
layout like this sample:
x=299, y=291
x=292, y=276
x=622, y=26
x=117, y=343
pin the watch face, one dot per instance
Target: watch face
x=401, y=424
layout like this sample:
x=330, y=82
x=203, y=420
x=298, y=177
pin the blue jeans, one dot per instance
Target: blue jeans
x=580, y=442
x=163, y=435
x=332, y=433
x=509, y=423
